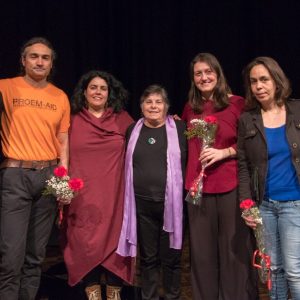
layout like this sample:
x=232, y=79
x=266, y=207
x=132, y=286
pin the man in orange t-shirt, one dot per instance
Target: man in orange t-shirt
x=34, y=138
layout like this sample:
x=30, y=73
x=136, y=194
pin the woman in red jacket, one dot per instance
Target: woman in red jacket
x=221, y=245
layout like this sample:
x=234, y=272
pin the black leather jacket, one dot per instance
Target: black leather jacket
x=253, y=154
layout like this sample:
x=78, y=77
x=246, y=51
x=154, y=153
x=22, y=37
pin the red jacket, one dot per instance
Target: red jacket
x=221, y=177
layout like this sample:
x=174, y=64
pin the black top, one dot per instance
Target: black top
x=150, y=160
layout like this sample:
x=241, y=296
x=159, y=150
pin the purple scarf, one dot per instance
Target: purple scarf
x=173, y=196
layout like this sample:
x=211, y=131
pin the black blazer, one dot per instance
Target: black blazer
x=252, y=149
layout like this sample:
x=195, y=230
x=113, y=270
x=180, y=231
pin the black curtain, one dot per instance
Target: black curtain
x=144, y=42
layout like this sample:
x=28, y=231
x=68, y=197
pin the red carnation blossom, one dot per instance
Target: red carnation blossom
x=247, y=204
x=210, y=119
x=60, y=171
x=75, y=184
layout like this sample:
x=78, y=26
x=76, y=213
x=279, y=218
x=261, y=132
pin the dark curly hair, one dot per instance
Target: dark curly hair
x=221, y=90
x=117, y=94
x=283, y=88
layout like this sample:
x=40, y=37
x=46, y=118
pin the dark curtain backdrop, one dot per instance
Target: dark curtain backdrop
x=143, y=42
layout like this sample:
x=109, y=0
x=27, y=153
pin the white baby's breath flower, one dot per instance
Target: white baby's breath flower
x=197, y=121
x=59, y=187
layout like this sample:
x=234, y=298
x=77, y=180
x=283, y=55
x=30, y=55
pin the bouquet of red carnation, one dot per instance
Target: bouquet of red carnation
x=204, y=129
x=261, y=260
x=63, y=187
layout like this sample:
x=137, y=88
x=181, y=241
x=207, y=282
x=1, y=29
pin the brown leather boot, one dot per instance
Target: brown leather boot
x=113, y=292
x=93, y=292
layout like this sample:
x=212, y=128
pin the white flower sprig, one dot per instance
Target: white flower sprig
x=63, y=187
x=59, y=187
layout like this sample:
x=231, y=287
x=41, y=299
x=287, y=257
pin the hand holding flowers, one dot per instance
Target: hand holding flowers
x=63, y=187
x=261, y=261
x=211, y=155
x=204, y=129
x=250, y=213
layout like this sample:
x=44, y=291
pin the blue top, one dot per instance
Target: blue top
x=282, y=182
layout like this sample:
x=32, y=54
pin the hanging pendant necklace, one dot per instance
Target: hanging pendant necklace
x=151, y=141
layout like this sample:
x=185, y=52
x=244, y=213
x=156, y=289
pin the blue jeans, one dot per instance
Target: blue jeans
x=282, y=232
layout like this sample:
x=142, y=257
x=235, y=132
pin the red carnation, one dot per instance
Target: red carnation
x=210, y=119
x=75, y=184
x=247, y=204
x=60, y=171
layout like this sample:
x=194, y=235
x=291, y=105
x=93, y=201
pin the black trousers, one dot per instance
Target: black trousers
x=155, y=252
x=221, y=250
x=26, y=220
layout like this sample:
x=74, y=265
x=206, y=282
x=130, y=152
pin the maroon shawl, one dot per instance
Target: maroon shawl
x=93, y=220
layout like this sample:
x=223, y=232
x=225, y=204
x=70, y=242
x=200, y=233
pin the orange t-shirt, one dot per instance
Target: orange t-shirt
x=32, y=119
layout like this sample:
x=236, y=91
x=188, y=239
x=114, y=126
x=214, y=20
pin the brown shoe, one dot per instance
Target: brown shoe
x=93, y=292
x=113, y=292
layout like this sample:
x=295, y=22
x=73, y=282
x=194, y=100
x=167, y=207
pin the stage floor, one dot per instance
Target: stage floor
x=54, y=279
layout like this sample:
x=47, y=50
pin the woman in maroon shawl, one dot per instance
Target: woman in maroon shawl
x=94, y=218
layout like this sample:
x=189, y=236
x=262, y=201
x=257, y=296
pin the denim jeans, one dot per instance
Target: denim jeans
x=282, y=233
